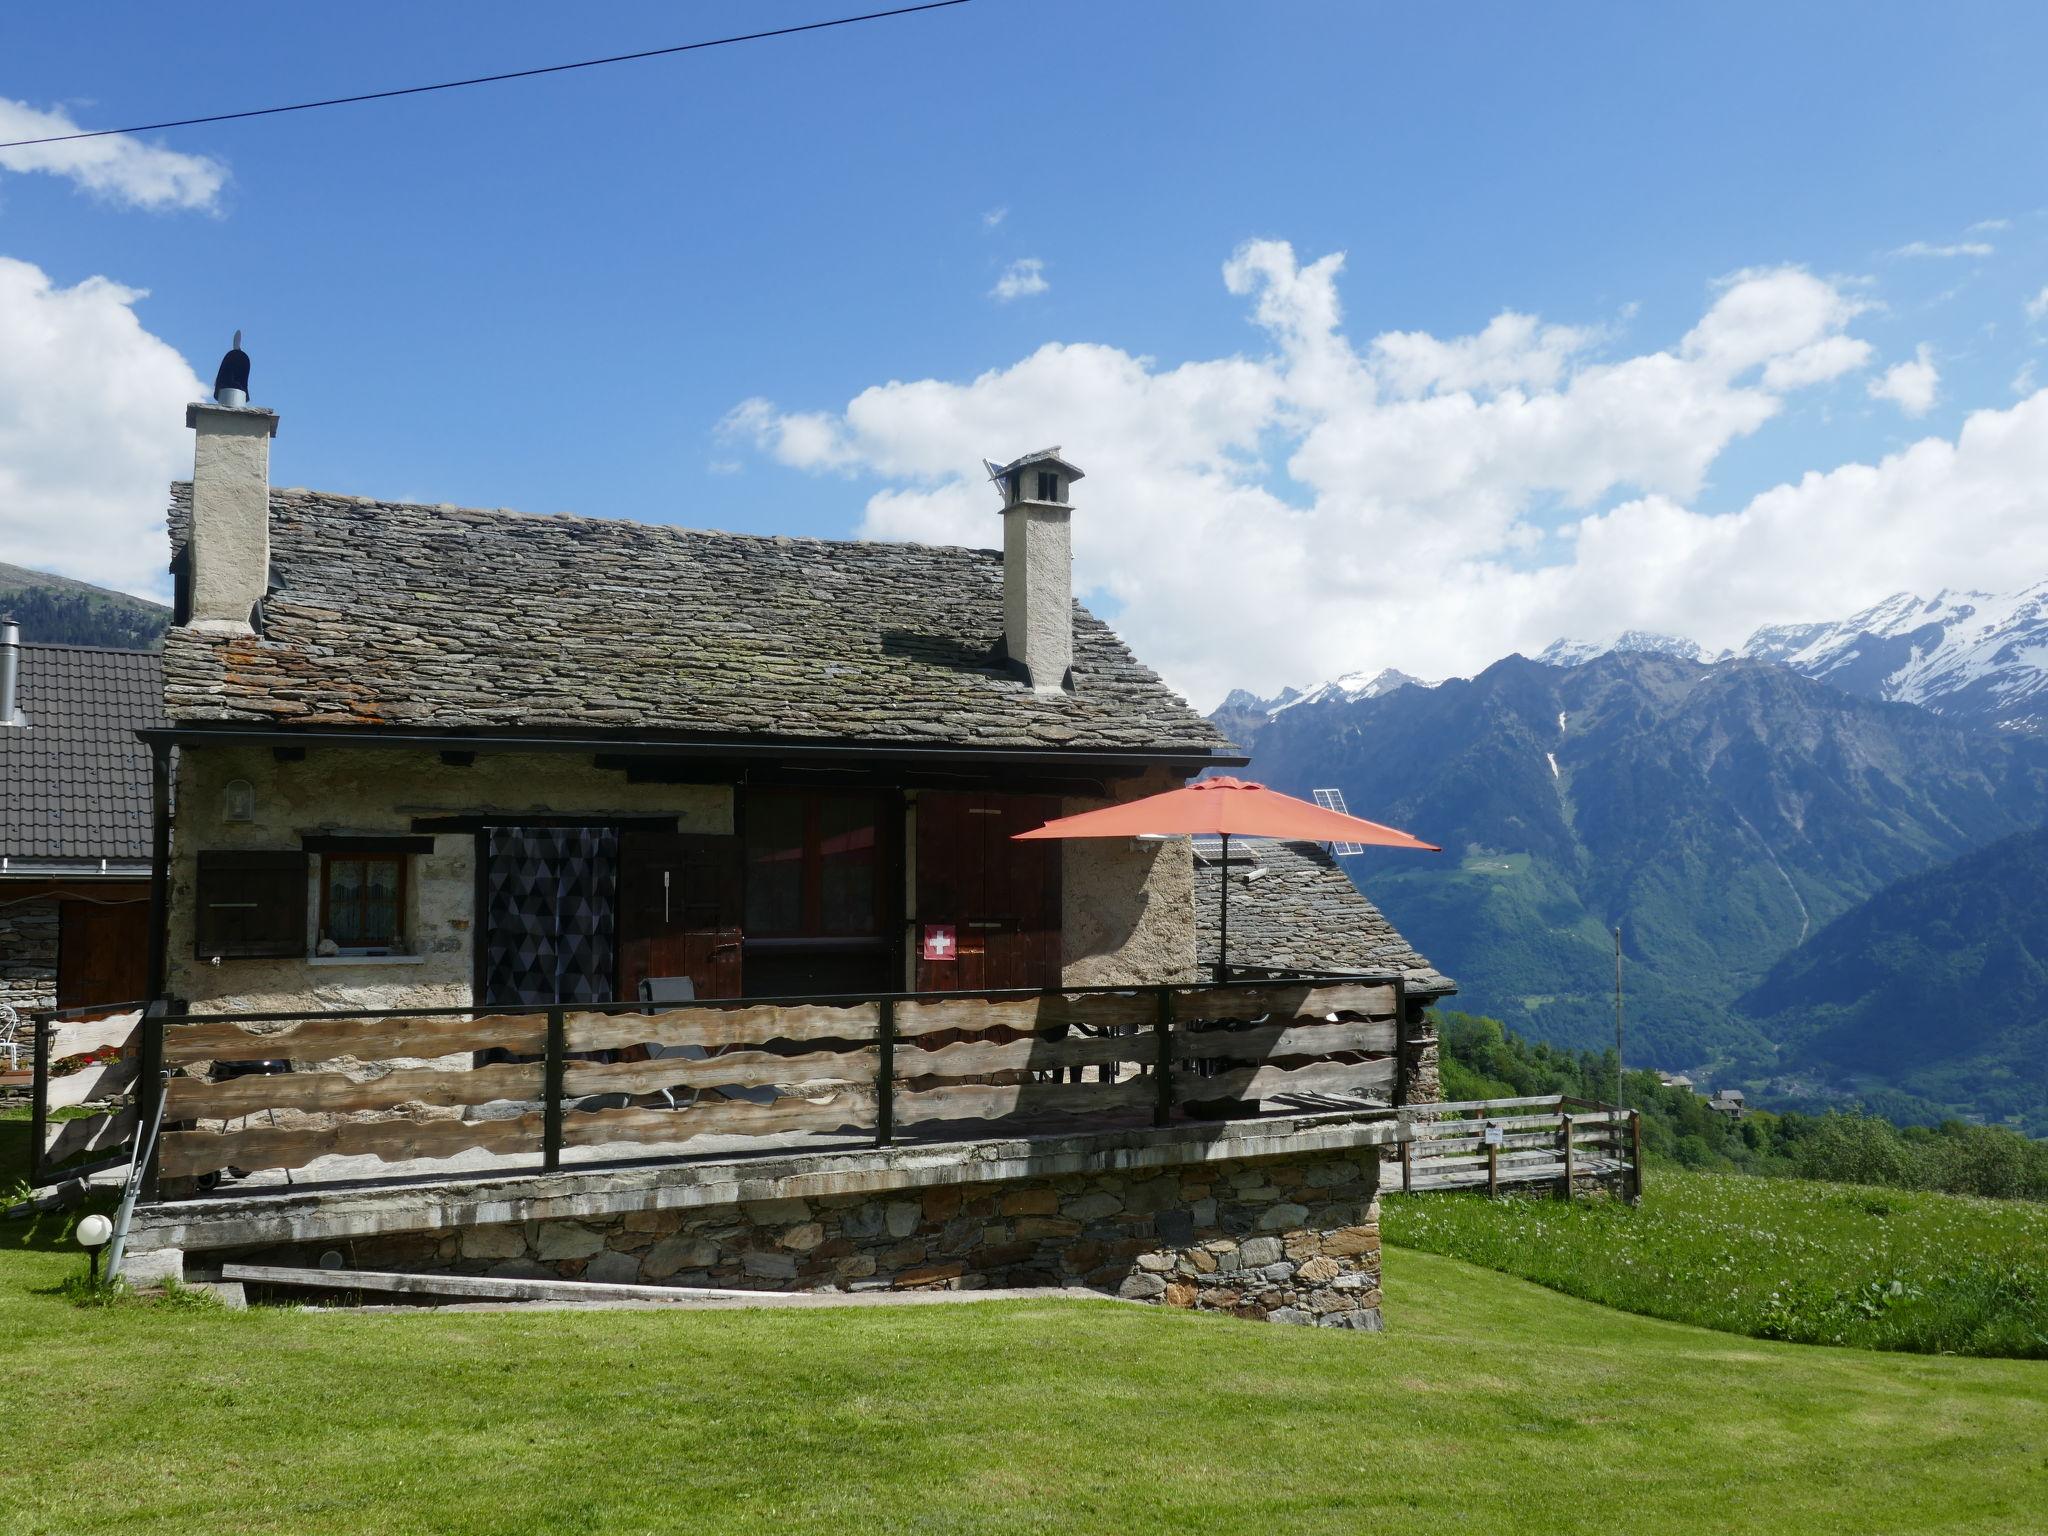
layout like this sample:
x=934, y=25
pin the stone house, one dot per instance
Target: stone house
x=74, y=823
x=430, y=756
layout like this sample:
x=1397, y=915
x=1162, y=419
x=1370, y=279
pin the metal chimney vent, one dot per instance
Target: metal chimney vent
x=231, y=384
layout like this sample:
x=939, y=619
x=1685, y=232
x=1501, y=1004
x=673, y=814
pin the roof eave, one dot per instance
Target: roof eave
x=639, y=743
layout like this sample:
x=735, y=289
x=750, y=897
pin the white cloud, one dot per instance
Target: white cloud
x=2023, y=381
x=994, y=216
x=1988, y=226
x=1911, y=386
x=120, y=168
x=1961, y=248
x=92, y=430
x=2037, y=306
x=1427, y=502
x=1022, y=279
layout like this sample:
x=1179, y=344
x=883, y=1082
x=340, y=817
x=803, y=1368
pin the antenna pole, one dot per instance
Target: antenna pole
x=1618, y=1102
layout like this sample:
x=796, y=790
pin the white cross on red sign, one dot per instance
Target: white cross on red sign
x=938, y=941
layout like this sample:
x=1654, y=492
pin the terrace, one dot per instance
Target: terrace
x=1100, y=1136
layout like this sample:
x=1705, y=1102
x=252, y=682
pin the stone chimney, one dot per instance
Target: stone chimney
x=229, y=556
x=1038, y=567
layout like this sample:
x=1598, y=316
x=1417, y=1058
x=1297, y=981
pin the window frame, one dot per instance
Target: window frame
x=811, y=927
x=399, y=861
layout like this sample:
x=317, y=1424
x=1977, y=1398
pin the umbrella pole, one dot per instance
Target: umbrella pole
x=1223, y=912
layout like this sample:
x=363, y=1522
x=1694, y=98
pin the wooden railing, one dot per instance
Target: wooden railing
x=538, y=1083
x=84, y=1057
x=1550, y=1138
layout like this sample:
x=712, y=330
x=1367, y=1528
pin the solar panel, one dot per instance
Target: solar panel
x=1333, y=800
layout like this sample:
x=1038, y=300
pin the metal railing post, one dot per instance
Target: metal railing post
x=149, y=1086
x=1162, y=1059
x=39, y=1100
x=1635, y=1170
x=551, y=1091
x=885, y=1073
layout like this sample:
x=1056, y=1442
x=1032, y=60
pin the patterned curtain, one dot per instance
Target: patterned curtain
x=548, y=930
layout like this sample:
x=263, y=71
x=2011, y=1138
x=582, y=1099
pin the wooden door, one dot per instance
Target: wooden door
x=679, y=911
x=102, y=952
x=1000, y=897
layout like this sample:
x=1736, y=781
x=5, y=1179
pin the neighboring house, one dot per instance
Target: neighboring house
x=1675, y=1080
x=74, y=822
x=1728, y=1101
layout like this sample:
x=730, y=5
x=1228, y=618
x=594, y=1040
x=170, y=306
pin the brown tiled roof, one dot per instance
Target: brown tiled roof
x=74, y=781
x=1292, y=908
x=395, y=614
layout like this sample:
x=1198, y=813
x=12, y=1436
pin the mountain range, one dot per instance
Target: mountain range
x=1977, y=658
x=1734, y=815
x=56, y=610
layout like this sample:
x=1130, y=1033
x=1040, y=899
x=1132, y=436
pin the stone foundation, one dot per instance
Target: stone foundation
x=1290, y=1239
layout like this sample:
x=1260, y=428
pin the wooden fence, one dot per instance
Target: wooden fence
x=1551, y=1138
x=85, y=1058
x=619, y=1081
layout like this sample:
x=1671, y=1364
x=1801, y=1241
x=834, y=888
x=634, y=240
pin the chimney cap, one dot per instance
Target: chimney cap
x=231, y=382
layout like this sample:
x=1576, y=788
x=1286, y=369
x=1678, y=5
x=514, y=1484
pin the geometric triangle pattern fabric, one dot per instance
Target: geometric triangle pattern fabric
x=550, y=899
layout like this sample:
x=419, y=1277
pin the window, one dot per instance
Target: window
x=1048, y=486
x=813, y=866
x=362, y=901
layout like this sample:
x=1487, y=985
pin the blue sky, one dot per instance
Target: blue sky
x=550, y=294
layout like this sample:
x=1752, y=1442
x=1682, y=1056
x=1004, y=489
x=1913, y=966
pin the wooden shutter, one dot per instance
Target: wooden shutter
x=102, y=952
x=251, y=903
x=1001, y=897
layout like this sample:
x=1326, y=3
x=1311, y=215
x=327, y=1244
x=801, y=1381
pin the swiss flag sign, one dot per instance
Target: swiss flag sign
x=939, y=943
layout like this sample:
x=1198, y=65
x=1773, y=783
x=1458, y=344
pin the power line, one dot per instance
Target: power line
x=514, y=74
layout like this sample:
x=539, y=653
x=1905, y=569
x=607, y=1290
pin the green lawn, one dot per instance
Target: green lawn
x=1771, y=1258
x=1490, y=1406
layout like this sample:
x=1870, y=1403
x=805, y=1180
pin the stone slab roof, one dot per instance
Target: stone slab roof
x=442, y=618
x=74, y=782
x=1293, y=908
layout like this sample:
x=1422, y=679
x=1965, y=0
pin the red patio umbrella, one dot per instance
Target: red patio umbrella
x=1226, y=808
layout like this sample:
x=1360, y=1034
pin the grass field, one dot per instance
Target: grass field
x=1490, y=1406
x=1771, y=1258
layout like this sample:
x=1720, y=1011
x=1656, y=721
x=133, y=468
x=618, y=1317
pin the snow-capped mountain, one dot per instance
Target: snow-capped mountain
x=1975, y=657
x=1570, y=653
x=1353, y=685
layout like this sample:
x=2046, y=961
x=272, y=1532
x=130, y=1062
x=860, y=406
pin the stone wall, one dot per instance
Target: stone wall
x=28, y=954
x=1130, y=905
x=1288, y=1240
x=370, y=790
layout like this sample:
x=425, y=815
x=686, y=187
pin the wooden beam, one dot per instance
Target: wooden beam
x=979, y=1058
x=712, y=1027
x=416, y=1037
x=1271, y=1041
x=81, y=1037
x=192, y=1099
x=97, y=1133
x=586, y=1128
x=89, y=1084
x=1095, y=1010
x=394, y=1140
x=1288, y=1000
x=995, y=1101
x=734, y=1069
x=1364, y=1079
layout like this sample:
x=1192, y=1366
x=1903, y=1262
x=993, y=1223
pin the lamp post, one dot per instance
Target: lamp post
x=92, y=1235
